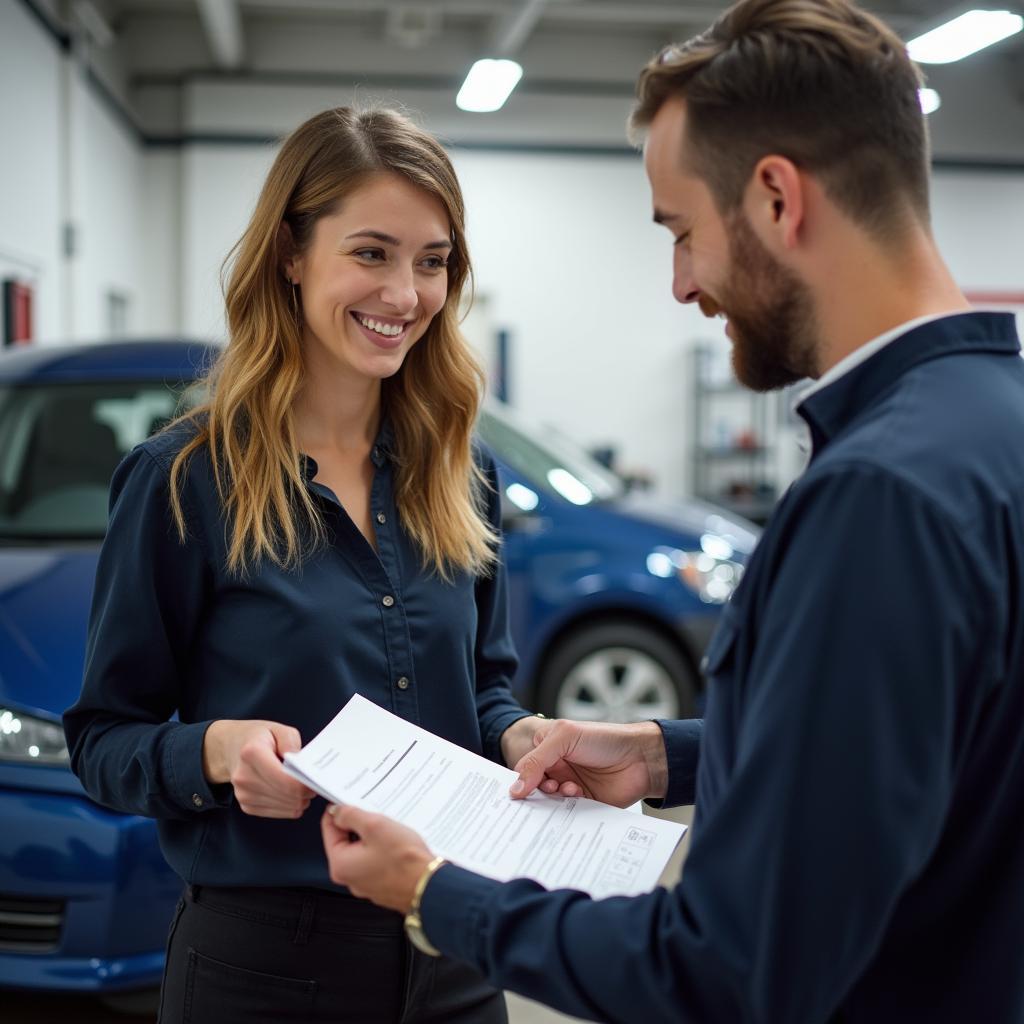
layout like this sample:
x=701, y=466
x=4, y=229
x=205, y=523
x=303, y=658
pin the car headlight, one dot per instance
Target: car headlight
x=711, y=572
x=30, y=740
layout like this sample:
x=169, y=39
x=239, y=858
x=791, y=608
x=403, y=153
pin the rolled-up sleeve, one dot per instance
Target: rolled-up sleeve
x=147, y=603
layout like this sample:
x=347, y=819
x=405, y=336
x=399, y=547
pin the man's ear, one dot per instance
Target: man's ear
x=776, y=202
x=286, y=256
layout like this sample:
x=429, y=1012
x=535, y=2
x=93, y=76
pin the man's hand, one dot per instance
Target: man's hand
x=248, y=755
x=617, y=764
x=377, y=858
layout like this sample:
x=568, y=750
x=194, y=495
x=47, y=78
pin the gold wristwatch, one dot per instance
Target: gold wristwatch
x=413, y=922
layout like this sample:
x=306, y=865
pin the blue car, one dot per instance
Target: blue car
x=612, y=600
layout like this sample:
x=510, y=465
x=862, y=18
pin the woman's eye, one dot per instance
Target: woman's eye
x=370, y=255
x=435, y=263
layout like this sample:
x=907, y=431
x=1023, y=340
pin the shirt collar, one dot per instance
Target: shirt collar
x=380, y=453
x=849, y=386
x=866, y=351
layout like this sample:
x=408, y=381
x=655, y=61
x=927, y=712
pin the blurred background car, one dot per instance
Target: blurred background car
x=613, y=597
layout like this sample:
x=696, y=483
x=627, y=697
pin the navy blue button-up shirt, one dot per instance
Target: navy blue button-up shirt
x=858, y=847
x=172, y=631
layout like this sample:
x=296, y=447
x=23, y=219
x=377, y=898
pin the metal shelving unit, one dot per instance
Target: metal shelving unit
x=734, y=433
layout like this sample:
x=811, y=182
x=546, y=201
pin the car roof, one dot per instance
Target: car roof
x=174, y=359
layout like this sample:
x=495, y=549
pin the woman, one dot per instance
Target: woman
x=320, y=527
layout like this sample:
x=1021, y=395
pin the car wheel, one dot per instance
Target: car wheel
x=616, y=672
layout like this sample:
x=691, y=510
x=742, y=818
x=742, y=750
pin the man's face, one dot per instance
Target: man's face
x=722, y=265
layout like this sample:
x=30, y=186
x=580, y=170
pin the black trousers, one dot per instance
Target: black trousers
x=241, y=956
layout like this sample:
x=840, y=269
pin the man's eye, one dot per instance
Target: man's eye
x=682, y=239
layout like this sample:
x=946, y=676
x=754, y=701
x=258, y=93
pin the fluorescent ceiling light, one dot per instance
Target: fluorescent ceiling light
x=488, y=85
x=963, y=36
x=930, y=100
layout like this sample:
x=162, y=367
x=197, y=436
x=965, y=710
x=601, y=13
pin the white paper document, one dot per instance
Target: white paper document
x=459, y=804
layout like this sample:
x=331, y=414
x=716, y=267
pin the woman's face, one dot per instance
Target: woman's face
x=372, y=278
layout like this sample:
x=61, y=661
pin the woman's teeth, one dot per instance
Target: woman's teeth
x=388, y=330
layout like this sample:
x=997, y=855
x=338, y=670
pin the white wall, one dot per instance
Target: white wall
x=30, y=208
x=107, y=212
x=66, y=159
x=564, y=249
x=565, y=252
x=979, y=224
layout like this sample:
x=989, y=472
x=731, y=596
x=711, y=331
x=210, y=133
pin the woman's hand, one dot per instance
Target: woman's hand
x=248, y=755
x=517, y=739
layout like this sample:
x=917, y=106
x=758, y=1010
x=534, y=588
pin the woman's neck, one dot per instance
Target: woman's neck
x=335, y=413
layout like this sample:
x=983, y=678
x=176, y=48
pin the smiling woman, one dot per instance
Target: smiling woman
x=320, y=527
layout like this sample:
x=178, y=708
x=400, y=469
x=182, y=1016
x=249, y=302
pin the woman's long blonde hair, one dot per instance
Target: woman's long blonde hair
x=431, y=402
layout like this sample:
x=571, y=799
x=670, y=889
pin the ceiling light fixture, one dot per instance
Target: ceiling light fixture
x=930, y=100
x=488, y=85
x=963, y=36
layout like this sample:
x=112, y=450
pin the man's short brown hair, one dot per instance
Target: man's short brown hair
x=819, y=82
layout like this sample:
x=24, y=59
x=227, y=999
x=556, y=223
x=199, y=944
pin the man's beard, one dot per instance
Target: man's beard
x=771, y=314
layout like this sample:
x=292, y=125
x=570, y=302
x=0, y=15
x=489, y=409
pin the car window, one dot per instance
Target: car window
x=549, y=461
x=59, y=447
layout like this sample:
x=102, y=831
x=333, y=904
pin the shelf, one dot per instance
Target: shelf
x=732, y=453
x=727, y=388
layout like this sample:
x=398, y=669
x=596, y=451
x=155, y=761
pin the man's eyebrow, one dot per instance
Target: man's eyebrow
x=660, y=217
x=380, y=236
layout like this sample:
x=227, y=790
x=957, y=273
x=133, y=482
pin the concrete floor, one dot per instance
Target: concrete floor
x=42, y=1008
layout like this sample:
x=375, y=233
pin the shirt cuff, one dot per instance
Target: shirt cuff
x=496, y=728
x=183, y=769
x=682, y=748
x=452, y=911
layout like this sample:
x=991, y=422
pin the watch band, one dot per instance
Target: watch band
x=413, y=921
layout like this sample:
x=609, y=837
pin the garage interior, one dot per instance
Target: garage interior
x=137, y=133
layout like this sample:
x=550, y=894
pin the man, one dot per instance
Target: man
x=858, y=847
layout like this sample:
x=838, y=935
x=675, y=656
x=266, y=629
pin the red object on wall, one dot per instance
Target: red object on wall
x=17, y=313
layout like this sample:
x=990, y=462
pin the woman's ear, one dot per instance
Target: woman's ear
x=286, y=257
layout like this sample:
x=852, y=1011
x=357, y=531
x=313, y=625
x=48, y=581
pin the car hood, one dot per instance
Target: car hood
x=44, y=610
x=691, y=517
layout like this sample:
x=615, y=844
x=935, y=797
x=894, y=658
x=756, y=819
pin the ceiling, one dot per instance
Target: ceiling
x=244, y=69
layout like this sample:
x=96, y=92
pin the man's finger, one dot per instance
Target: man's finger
x=533, y=767
x=333, y=836
x=352, y=819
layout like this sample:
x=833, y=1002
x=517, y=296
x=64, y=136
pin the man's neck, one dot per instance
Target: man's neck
x=868, y=290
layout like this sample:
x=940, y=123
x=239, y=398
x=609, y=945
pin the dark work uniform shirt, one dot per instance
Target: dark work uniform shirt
x=172, y=631
x=858, y=849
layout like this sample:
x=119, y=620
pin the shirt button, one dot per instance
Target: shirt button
x=403, y=683
x=197, y=800
x=381, y=518
x=387, y=601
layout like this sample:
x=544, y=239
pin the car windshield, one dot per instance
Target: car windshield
x=59, y=447
x=548, y=461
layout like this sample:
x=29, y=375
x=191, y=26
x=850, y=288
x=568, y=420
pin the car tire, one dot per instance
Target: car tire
x=616, y=671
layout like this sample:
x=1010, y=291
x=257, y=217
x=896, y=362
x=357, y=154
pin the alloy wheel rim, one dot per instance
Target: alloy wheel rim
x=617, y=684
